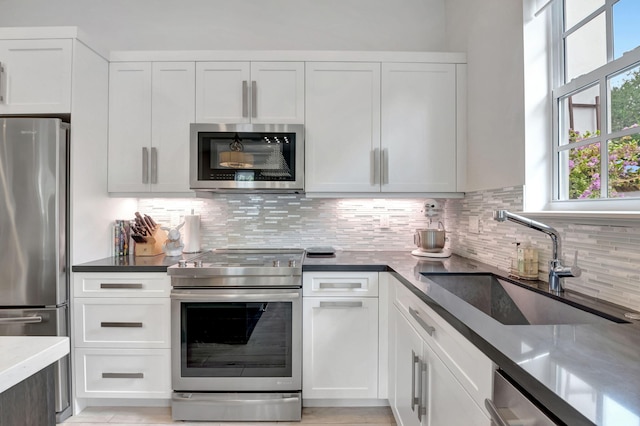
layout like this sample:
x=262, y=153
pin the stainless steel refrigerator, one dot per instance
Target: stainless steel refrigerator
x=34, y=281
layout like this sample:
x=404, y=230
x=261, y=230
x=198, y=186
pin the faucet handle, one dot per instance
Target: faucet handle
x=575, y=269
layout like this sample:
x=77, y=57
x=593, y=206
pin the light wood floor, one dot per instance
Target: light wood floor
x=107, y=416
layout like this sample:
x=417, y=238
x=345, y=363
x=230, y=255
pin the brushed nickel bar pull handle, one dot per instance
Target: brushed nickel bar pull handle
x=493, y=412
x=418, y=400
x=375, y=163
x=123, y=375
x=341, y=304
x=245, y=103
x=21, y=320
x=145, y=165
x=120, y=285
x=3, y=80
x=111, y=324
x=429, y=329
x=414, y=360
x=384, y=178
x=254, y=99
x=154, y=165
x=340, y=285
x=424, y=390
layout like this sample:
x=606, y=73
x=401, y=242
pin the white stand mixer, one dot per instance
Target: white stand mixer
x=431, y=241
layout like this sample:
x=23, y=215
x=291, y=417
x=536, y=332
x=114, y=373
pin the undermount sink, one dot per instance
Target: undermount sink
x=511, y=304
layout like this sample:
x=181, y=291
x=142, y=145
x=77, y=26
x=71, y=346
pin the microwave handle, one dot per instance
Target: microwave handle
x=245, y=104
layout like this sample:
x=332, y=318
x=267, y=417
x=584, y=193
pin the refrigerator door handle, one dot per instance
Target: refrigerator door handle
x=21, y=320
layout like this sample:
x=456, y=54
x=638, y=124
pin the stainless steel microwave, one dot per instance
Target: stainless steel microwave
x=247, y=157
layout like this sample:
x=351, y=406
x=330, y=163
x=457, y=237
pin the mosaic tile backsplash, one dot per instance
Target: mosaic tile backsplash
x=608, y=255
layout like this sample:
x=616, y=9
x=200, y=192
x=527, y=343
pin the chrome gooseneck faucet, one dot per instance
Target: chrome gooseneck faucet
x=557, y=271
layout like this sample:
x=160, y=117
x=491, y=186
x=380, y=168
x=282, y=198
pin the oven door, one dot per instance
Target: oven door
x=236, y=340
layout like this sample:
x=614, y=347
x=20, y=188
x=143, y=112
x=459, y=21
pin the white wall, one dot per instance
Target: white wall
x=412, y=25
x=490, y=32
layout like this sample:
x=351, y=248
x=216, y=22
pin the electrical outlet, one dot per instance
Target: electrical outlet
x=474, y=225
x=384, y=221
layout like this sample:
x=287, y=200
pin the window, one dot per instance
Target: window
x=596, y=101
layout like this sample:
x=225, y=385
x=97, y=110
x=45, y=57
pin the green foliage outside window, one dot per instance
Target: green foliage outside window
x=624, y=153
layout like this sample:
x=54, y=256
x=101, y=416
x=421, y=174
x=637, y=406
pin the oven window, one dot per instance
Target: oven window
x=236, y=339
x=246, y=156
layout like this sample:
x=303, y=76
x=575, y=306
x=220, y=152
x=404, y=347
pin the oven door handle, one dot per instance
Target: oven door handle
x=221, y=296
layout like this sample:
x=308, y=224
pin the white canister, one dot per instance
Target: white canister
x=191, y=233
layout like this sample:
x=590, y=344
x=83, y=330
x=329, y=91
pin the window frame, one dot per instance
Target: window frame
x=562, y=90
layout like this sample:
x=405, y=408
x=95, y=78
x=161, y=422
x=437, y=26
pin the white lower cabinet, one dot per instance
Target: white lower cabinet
x=121, y=335
x=123, y=373
x=436, y=376
x=340, y=336
x=340, y=355
x=426, y=391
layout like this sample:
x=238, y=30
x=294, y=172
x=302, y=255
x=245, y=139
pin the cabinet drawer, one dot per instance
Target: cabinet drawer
x=121, y=285
x=469, y=365
x=133, y=323
x=123, y=373
x=352, y=284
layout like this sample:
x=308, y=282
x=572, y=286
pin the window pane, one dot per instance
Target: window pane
x=586, y=49
x=577, y=10
x=580, y=116
x=624, y=170
x=624, y=92
x=626, y=36
x=583, y=167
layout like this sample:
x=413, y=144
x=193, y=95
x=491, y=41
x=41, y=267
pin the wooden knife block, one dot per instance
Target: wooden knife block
x=153, y=246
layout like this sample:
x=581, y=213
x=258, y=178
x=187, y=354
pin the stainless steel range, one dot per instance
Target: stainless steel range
x=237, y=335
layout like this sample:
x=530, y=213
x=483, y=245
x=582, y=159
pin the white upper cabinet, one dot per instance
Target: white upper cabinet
x=342, y=141
x=151, y=106
x=35, y=76
x=172, y=112
x=381, y=128
x=418, y=127
x=250, y=92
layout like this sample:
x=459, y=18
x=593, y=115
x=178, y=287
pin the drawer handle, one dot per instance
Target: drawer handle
x=341, y=304
x=121, y=324
x=429, y=329
x=123, y=375
x=340, y=285
x=119, y=285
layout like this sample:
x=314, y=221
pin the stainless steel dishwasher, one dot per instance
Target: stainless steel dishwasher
x=510, y=407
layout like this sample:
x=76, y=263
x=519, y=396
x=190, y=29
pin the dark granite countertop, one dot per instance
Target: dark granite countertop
x=585, y=374
x=158, y=263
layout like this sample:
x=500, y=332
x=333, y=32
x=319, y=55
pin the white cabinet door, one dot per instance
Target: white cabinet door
x=244, y=92
x=340, y=350
x=35, y=77
x=407, y=357
x=445, y=400
x=173, y=110
x=277, y=92
x=342, y=145
x=129, y=126
x=418, y=127
x=222, y=92
x=150, y=108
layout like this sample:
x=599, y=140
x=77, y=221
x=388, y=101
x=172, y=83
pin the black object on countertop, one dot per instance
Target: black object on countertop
x=321, y=251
